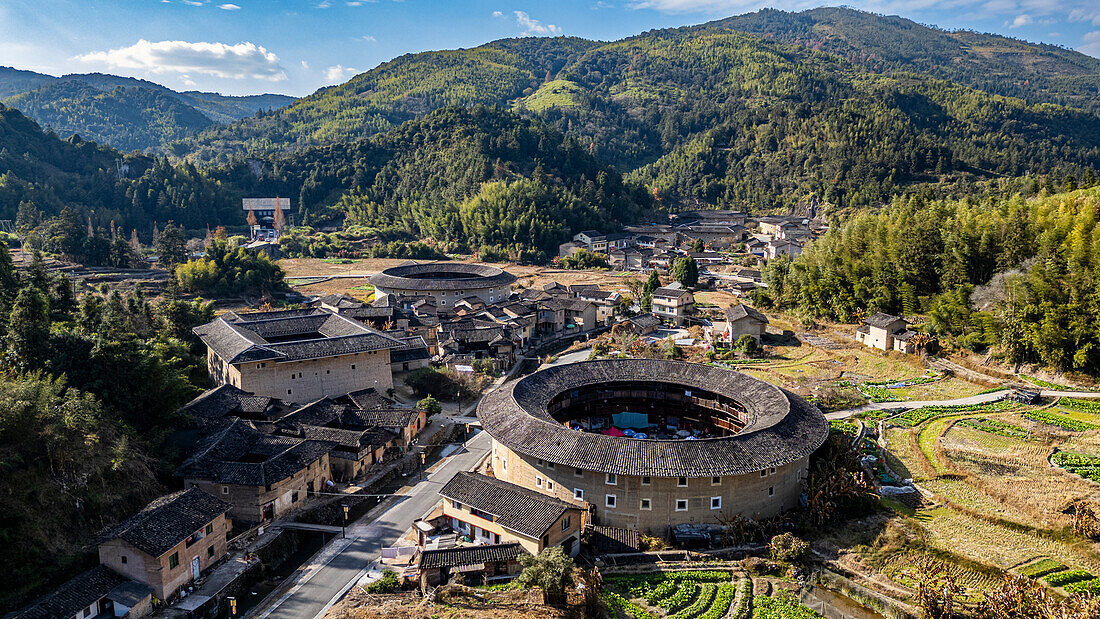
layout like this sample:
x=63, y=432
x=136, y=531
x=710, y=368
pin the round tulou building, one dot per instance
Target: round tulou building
x=445, y=282
x=651, y=444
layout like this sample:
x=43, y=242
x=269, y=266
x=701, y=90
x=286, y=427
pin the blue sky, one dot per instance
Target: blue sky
x=297, y=46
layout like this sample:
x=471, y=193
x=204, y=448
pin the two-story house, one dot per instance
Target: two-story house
x=673, y=304
x=169, y=543
x=885, y=332
x=493, y=511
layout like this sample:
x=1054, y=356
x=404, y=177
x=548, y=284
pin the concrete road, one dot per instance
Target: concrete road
x=974, y=399
x=312, y=596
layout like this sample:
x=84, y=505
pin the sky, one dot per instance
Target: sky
x=295, y=47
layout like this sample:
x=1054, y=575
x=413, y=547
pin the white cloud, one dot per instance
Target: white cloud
x=229, y=7
x=498, y=14
x=1021, y=20
x=324, y=4
x=305, y=65
x=241, y=61
x=534, y=26
x=1090, y=44
x=192, y=2
x=339, y=73
x=369, y=38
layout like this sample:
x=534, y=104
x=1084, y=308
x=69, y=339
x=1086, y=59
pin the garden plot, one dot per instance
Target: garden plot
x=679, y=595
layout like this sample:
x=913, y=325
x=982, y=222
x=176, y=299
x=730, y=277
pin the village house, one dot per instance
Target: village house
x=568, y=249
x=592, y=240
x=606, y=302
x=642, y=324
x=477, y=339
x=170, y=543
x=735, y=218
x=413, y=355
x=782, y=247
x=673, y=304
x=743, y=320
x=476, y=564
x=262, y=476
x=630, y=259
x=95, y=593
x=619, y=240
x=886, y=332
x=296, y=355
x=492, y=511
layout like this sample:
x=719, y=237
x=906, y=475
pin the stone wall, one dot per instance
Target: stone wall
x=248, y=501
x=308, y=380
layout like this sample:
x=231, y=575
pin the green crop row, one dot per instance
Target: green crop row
x=785, y=606
x=703, y=602
x=744, y=605
x=1064, y=578
x=1088, y=406
x=1041, y=568
x=1061, y=421
x=847, y=427
x=618, y=602
x=918, y=416
x=679, y=599
x=993, y=426
x=878, y=394
x=723, y=598
x=1090, y=586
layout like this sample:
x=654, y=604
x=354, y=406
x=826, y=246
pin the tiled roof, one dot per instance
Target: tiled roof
x=434, y=276
x=388, y=417
x=612, y=540
x=780, y=426
x=73, y=596
x=245, y=338
x=668, y=292
x=881, y=320
x=414, y=349
x=241, y=454
x=368, y=398
x=470, y=555
x=644, y=321
x=226, y=400
x=372, y=438
x=572, y=305
x=169, y=520
x=516, y=508
x=738, y=312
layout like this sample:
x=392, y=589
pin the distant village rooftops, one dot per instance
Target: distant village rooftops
x=519, y=509
x=169, y=520
x=289, y=335
x=82, y=591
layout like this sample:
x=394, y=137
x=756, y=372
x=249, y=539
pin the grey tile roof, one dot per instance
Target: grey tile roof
x=371, y=438
x=612, y=540
x=644, y=321
x=226, y=400
x=74, y=595
x=414, y=349
x=368, y=398
x=780, y=426
x=738, y=312
x=470, y=555
x=240, y=338
x=240, y=454
x=167, y=521
x=668, y=292
x=433, y=276
x=881, y=320
x=516, y=508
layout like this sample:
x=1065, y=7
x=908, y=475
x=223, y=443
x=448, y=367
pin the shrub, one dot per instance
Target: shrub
x=788, y=548
x=746, y=344
x=388, y=583
x=430, y=405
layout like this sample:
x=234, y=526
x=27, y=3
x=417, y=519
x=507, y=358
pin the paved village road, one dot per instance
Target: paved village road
x=310, y=598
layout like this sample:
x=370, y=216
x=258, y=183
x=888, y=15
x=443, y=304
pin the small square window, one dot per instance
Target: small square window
x=456, y=505
x=610, y=500
x=681, y=505
x=716, y=481
x=771, y=490
x=538, y=482
x=645, y=504
x=578, y=494
x=209, y=529
x=123, y=558
x=549, y=485
x=611, y=480
x=716, y=502
x=682, y=482
x=550, y=465
x=288, y=391
x=353, y=366
x=645, y=480
x=764, y=473
x=578, y=473
x=225, y=489
x=210, y=551
x=771, y=471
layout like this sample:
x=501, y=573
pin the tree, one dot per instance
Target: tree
x=686, y=271
x=788, y=548
x=171, y=246
x=28, y=330
x=698, y=246
x=552, y=570
x=651, y=284
x=430, y=405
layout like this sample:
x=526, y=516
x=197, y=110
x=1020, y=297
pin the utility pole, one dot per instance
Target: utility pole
x=344, y=525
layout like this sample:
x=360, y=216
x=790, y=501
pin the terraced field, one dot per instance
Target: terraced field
x=678, y=595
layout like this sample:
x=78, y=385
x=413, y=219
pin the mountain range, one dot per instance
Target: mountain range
x=123, y=112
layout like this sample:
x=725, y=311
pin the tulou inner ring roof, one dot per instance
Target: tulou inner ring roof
x=780, y=426
x=442, y=276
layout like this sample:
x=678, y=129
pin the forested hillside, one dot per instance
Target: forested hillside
x=122, y=112
x=392, y=93
x=1020, y=277
x=996, y=64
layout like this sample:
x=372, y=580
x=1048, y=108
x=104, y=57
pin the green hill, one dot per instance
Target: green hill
x=1001, y=65
x=125, y=113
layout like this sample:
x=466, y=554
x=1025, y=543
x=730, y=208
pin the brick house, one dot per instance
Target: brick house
x=262, y=476
x=488, y=562
x=297, y=355
x=493, y=511
x=673, y=304
x=886, y=332
x=169, y=543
